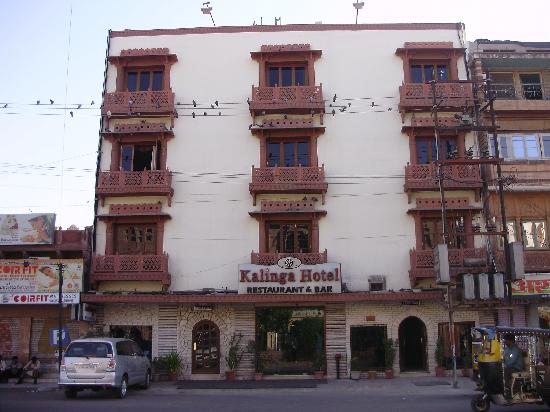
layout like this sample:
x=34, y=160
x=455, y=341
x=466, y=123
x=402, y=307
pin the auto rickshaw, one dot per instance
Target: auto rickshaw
x=530, y=386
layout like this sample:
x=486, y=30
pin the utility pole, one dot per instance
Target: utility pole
x=440, y=178
x=60, y=325
x=507, y=275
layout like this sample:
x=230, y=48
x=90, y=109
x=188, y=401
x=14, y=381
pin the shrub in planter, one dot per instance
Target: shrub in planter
x=173, y=364
x=389, y=357
x=439, y=358
x=319, y=365
x=234, y=355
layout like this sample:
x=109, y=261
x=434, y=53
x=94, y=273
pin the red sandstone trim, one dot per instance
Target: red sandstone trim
x=287, y=28
x=234, y=298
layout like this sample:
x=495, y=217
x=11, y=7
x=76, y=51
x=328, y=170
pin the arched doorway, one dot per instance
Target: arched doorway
x=412, y=345
x=206, y=348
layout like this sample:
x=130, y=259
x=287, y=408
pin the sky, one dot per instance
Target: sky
x=55, y=49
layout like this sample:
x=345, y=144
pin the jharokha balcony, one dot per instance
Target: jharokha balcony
x=130, y=268
x=288, y=180
x=268, y=259
x=422, y=262
x=456, y=177
x=146, y=182
x=533, y=260
x=287, y=99
x=449, y=95
x=143, y=103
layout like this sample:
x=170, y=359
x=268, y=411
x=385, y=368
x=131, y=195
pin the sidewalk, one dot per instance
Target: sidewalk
x=399, y=386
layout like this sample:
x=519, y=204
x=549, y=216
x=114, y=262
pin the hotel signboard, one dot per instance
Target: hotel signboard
x=293, y=279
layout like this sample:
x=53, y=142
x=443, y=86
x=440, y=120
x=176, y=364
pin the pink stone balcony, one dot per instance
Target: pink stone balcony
x=288, y=99
x=130, y=104
x=457, y=177
x=533, y=260
x=419, y=96
x=288, y=180
x=130, y=268
x=147, y=183
x=422, y=262
x=272, y=258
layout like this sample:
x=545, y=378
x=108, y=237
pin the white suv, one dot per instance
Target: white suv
x=103, y=363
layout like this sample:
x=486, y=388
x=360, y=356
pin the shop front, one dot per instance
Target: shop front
x=533, y=294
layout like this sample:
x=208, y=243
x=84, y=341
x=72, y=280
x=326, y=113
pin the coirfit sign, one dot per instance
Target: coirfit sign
x=305, y=279
x=37, y=298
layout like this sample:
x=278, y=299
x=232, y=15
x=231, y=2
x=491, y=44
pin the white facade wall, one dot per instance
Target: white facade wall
x=366, y=229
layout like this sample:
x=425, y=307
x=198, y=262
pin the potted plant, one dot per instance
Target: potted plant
x=319, y=365
x=439, y=358
x=389, y=356
x=467, y=363
x=160, y=371
x=254, y=347
x=371, y=374
x=355, y=369
x=173, y=364
x=234, y=356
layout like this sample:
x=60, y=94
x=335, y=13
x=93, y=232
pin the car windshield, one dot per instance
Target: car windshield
x=89, y=350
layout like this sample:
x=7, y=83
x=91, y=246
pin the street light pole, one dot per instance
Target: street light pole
x=60, y=325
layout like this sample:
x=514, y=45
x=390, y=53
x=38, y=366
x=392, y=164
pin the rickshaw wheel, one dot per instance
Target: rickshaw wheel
x=480, y=404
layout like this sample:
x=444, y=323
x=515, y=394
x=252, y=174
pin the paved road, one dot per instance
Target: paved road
x=342, y=396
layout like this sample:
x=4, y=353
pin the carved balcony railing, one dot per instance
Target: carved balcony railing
x=422, y=262
x=146, y=182
x=288, y=180
x=424, y=177
x=130, y=104
x=533, y=260
x=130, y=268
x=292, y=99
x=272, y=258
x=453, y=95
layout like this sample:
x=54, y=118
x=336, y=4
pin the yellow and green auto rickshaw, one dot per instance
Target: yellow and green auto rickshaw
x=503, y=386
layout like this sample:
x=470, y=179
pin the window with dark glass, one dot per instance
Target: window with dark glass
x=136, y=239
x=503, y=85
x=139, y=157
x=143, y=80
x=287, y=154
x=422, y=73
x=288, y=75
x=289, y=237
x=531, y=86
x=426, y=149
x=432, y=232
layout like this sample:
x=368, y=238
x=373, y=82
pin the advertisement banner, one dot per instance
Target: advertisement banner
x=29, y=229
x=302, y=279
x=38, y=298
x=535, y=285
x=40, y=275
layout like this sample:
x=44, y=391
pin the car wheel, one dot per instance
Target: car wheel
x=480, y=403
x=147, y=381
x=123, y=389
x=70, y=393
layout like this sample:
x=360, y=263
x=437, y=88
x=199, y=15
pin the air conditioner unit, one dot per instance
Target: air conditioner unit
x=377, y=283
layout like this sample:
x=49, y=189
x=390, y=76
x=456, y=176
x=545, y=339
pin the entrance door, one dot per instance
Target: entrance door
x=206, y=348
x=412, y=345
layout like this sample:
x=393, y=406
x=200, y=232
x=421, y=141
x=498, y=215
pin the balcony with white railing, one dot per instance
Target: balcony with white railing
x=524, y=97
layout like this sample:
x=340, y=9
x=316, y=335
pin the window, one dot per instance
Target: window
x=289, y=237
x=426, y=149
x=512, y=234
x=287, y=75
x=522, y=146
x=136, y=239
x=143, y=80
x=288, y=154
x=422, y=73
x=432, y=232
x=531, y=86
x=534, y=234
x=89, y=349
x=140, y=157
x=503, y=85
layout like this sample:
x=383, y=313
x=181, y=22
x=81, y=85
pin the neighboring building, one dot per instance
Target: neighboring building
x=520, y=75
x=30, y=248
x=338, y=130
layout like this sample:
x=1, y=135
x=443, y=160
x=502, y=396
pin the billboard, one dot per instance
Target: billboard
x=40, y=275
x=29, y=229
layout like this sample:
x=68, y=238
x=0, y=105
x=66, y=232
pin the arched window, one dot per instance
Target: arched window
x=206, y=348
